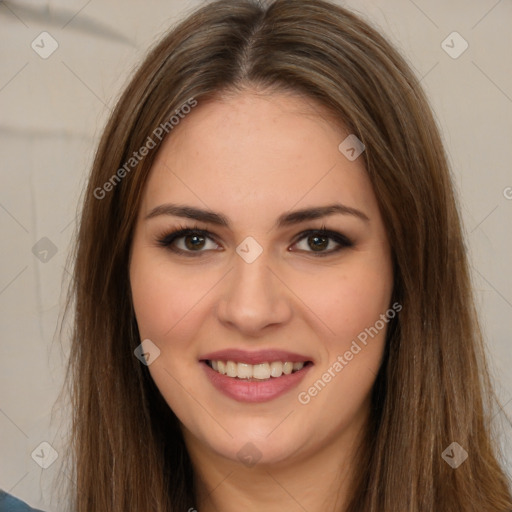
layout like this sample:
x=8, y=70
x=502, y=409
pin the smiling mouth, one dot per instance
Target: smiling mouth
x=256, y=372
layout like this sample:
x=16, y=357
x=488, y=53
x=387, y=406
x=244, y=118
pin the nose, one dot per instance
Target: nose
x=254, y=298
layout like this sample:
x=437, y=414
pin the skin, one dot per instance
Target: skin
x=253, y=156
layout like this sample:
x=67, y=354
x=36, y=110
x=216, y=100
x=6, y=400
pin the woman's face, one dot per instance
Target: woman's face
x=254, y=288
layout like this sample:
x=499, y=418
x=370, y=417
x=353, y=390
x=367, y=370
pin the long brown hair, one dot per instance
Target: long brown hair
x=433, y=387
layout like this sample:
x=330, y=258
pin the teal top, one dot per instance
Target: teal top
x=9, y=503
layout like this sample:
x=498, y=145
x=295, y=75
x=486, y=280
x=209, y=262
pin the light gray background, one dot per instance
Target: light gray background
x=53, y=111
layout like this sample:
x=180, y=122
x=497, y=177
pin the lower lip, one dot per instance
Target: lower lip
x=252, y=391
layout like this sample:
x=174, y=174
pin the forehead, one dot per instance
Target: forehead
x=254, y=153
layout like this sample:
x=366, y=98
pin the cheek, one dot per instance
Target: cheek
x=165, y=301
x=351, y=306
x=352, y=299
x=167, y=308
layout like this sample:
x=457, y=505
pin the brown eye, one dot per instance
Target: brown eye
x=194, y=242
x=191, y=242
x=321, y=242
x=318, y=243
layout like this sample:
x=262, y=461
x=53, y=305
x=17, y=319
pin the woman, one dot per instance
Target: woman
x=272, y=298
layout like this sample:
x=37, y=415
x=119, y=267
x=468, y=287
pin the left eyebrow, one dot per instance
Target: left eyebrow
x=298, y=216
x=286, y=219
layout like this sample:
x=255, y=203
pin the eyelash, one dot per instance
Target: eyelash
x=168, y=238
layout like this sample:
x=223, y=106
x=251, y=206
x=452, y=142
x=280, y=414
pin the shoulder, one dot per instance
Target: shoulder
x=9, y=503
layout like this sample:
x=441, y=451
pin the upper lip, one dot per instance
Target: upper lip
x=255, y=357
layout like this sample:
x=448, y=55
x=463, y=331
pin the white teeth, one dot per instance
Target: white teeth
x=231, y=369
x=287, y=368
x=260, y=371
x=276, y=369
x=244, y=371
